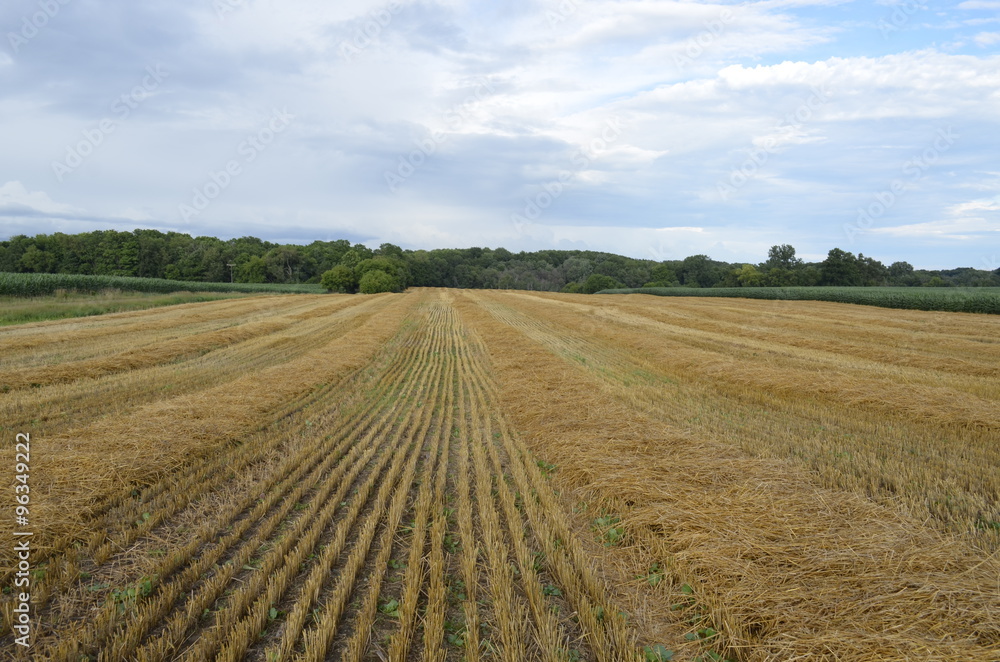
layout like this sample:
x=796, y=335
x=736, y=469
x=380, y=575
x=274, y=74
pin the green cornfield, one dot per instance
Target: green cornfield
x=31, y=285
x=951, y=299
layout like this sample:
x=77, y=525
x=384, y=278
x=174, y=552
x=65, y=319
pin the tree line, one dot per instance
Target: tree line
x=341, y=266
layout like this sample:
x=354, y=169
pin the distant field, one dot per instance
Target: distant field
x=476, y=475
x=33, y=285
x=950, y=299
x=19, y=310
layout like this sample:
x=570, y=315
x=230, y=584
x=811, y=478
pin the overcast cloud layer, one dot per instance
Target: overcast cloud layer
x=655, y=129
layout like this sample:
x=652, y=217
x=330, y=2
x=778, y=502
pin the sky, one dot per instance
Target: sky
x=654, y=129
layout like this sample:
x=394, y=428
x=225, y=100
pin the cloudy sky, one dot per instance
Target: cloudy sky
x=654, y=128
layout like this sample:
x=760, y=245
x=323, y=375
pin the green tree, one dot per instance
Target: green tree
x=392, y=266
x=254, y=270
x=598, y=282
x=840, y=268
x=284, y=264
x=748, y=276
x=35, y=260
x=871, y=271
x=900, y=273
x=577, y=269
x=782, y=257
x=699, y=271
x=662, y=275
x=340, y=279
x=377, y=281
x=777, y=277
x=389, y=250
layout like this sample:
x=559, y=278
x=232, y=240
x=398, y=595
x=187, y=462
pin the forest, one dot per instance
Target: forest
x=341, y=266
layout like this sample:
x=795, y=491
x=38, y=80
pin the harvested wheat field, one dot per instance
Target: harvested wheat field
x=473, y=475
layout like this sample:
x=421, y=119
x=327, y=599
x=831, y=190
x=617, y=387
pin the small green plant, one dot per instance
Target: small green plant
x=608, y=530
x=390, y=608
x=654, y=576
x=546, y=467
x=455, y=633
x=124, y=598
x=702, y=634
x=456, y=591
x=550, y=590
x=657, y=653
x=987, y=525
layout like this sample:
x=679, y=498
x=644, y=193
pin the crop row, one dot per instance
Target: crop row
x=34, y=285
x=949, y=299
x=282, y=547
x=770, y=547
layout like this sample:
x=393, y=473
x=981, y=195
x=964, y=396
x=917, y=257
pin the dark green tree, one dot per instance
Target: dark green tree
x=254, y=270
x=376, y=281
x=782, y=257
x=872, y=271
x=340, y=279
x=840, y=268
x=597, y=282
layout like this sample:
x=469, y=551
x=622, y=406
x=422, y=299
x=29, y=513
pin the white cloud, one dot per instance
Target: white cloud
x=14, y=198
x=750, y=80
x=979, y=4
x=974, y=220
x=987, y=38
